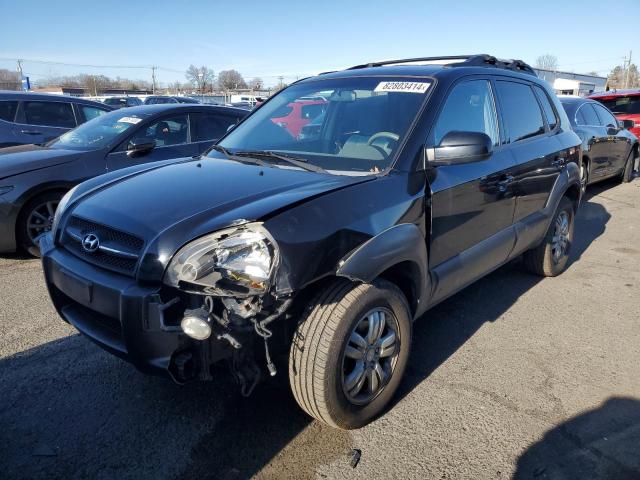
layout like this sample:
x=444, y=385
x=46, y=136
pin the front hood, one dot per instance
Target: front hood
x=27, y=158
x=171, y=205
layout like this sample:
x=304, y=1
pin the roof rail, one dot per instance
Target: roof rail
x=480, y=60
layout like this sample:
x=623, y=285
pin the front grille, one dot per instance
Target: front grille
x=119, y=250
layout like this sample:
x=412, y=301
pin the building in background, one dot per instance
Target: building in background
x=569, y=83
x=83, y=92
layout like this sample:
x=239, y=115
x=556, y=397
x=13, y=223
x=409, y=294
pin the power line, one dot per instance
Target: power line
x=66, y=64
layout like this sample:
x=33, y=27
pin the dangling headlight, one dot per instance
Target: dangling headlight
x=234, y=262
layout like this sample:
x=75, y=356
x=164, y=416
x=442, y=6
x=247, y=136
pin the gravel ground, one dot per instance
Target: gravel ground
x=515, y=376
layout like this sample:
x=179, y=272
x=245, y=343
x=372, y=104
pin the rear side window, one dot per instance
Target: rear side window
x=91, y=112
x=606, y=119
x=468, y=108
x=8, y=111
x=210, y=127
x=588, y=115
x=169, y=131
x=520, y=110
x=580, y=120
x=51, y=114
x=548, y=110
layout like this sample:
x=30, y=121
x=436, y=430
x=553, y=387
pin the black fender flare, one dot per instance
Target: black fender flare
x=400, y=243
x=568, y=178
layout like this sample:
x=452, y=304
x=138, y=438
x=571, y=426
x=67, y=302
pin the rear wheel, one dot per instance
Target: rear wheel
x=35, y=219
x=350, y=351
x=550, y=258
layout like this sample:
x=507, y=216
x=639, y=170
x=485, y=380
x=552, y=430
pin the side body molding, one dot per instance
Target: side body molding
x=398, y=244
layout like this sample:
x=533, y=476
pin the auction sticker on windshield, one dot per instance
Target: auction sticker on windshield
x=408, y=87
x=133, y=120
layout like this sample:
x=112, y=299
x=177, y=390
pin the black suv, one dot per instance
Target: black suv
x=422, y=178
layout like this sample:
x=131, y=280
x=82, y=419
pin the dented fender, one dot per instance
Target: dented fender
x=400, y=243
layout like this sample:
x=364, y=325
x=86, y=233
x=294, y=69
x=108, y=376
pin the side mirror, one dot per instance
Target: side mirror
x=140, y=146
x=628, y=124
x=461, y=147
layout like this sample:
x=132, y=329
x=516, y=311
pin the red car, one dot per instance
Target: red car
x=625, y=105
x=297, y=114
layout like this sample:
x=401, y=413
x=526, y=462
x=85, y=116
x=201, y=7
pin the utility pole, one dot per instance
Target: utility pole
x=20, y=74
x=153, y=79
x=626, y=80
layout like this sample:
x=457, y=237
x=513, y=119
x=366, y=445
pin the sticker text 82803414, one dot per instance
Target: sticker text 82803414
x=407, y=87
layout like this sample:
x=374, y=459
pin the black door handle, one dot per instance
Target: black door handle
x=30, y=132
x=504, y=182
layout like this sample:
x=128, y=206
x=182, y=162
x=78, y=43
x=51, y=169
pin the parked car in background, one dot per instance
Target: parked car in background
x=609, y=149
x=297, y=114
x=121, y=102
x=243, y=105
x=625, y=105
x=161, y=99
x=33, y=178
x=424, y=179
x=37, y=117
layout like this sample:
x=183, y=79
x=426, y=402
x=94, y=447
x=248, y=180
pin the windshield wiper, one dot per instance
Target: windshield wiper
x=237, y=158
x=295, y=161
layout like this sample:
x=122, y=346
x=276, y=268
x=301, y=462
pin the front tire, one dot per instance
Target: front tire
x=350, y=351
x=551, y=257
x=627, y=172
x=35, y=219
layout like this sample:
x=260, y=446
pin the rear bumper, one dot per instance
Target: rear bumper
x=124, y=318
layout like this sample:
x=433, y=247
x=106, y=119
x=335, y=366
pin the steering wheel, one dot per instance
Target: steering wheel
x=393, y=136
x=390, y=135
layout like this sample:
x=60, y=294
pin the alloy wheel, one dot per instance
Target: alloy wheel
x=40, y=219
x=560, y=241
x=370, y=356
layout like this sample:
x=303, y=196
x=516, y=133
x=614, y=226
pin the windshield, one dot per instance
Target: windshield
x=99, y=132
x=351, y=125
x=630, y=104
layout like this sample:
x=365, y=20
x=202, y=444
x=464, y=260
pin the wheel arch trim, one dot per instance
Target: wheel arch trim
x=394, y=246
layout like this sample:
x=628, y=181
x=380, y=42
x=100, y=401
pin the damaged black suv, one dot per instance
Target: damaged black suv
x=419, y=177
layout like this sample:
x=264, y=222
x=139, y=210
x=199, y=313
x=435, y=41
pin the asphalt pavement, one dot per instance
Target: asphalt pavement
x=515, y=377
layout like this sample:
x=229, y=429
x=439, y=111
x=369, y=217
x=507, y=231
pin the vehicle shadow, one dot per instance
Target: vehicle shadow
x=603, y=443
x=446, y=327
x=69, y=410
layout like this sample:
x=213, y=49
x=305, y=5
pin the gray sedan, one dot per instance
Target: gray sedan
x=34, y=178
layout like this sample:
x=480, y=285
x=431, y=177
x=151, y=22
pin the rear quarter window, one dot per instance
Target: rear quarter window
x=549, y=112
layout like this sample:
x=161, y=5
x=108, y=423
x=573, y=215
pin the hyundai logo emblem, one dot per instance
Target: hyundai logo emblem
x=91, y=242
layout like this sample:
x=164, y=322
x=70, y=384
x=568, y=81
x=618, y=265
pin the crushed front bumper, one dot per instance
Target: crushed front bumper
x=123, y=317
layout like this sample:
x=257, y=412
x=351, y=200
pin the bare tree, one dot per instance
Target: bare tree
x=231, y=80
x=547, y=62
x=256, y=83
x=618, y=77
x=9, y=80
x=93, y=83
x=200, y=77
